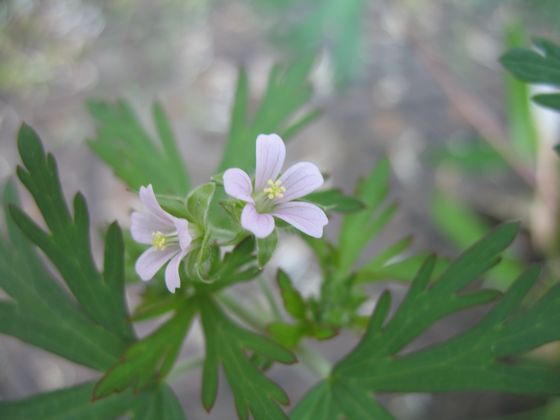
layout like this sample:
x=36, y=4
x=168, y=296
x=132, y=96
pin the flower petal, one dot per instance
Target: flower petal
x=148, y=198
x=306, y=217
x=299, y=180
x=238, y=184
x=172, y=276
x=261, y=225
x=149, y=263
x=182, y=229
x=271, y=153
x=143, y=225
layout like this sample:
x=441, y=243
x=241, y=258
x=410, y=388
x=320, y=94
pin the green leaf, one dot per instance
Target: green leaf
x=173, y=205
x=239, y=119
x=321, y=332
x=487, y=357
x=470, y=155
x=301, y=123
x=476, y=351
x=532, y=67
x=237, y=266
x=335, y=200
x=92, y=329
x=198, y=202
x=334, y=400
x=382, y=259
x=170, y=150
x=226, y=344
x=135, y=157
x=288, y=91
x=156, y=304
x=537, y=67
x=473, y=360
x=69, y=403
x=67, y=242
x=549, y=48
x=75, y=402
x=322, y=249
x=462, y=227
x=202, y=260
x=287, y=335
x=149, y=360
x=335, y=26
x=341, y=295
x=40, y=312
x=402, y=270
x=266, y=247
x=551, y=100
x=293, y=301
x=361, y=227
x=163, y=404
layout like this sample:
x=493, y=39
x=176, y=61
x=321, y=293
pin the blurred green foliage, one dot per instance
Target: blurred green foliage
x=537, y=67
x=468, y=361
x=86, y=320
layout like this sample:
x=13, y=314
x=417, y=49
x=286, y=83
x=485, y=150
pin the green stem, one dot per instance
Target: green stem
x=265, y=287
x=314, y=361
x=308, y=357
x=241, y=311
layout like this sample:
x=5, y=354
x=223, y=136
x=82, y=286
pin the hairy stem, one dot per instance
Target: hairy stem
x=314, y=361
x=267, y=292
x=311, y=359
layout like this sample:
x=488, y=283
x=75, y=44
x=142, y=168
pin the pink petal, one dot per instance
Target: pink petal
x=143, y=225
x=172, y=276
x=148, y=198
x=149, y=263
x=306, y=217
x=261, y=225
x=271, y=153
x=182, y=229
x=299, y=180
x=238, y=184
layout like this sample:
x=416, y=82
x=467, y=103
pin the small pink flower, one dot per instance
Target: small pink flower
x=272, y=196
x=169, y=236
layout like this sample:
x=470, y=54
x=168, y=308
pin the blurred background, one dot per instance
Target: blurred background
x=417, y=81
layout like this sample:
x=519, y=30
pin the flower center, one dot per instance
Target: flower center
x=263, y=199
x=161, y=240
x=274, y=189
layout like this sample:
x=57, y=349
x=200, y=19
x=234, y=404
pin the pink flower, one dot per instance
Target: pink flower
x=169, y=236
x=272, y=196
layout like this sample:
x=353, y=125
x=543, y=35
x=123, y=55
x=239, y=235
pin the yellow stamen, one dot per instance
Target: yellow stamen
x=159, y=241
x=274, y=189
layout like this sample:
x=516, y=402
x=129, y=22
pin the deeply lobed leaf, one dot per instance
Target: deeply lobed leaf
x=470, y=361
x=67, y=242
x=539, y=67
x=226, y=344
x=135, y=157
x=75, y=403
x=92, y=330
x=149, y=360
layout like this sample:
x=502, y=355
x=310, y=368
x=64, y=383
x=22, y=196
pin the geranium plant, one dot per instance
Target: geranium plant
x=195, y=244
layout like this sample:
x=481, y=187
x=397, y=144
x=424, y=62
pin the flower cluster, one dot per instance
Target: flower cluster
x=270, y=195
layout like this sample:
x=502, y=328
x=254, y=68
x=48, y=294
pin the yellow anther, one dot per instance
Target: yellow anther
x=274, y=189
x=159, y=241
